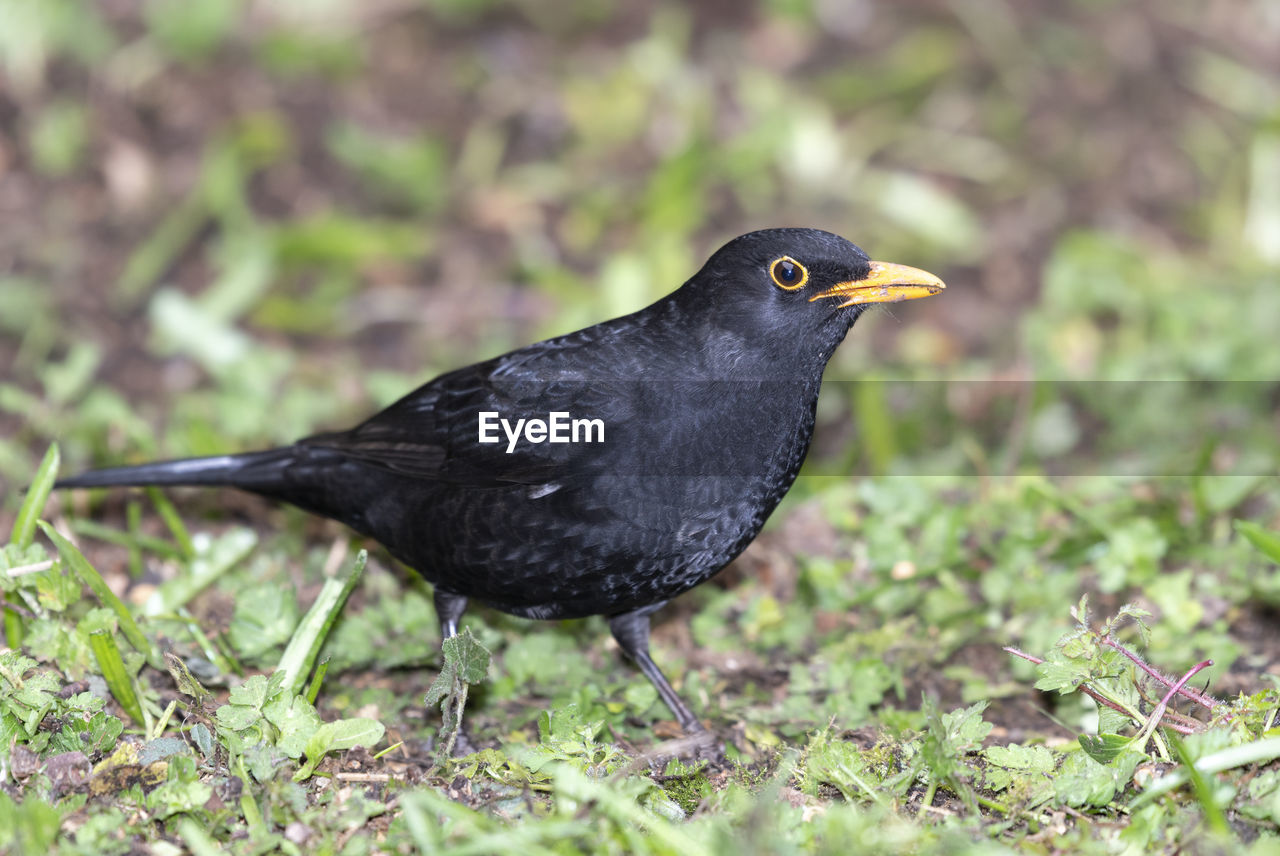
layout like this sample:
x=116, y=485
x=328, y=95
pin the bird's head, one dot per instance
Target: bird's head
x=802, y=286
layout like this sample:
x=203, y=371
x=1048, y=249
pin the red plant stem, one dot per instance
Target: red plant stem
x=1198, y=667
x=1023, y=654
x=1158, y=713
x=1187, y=692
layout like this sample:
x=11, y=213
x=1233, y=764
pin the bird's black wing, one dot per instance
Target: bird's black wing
x=432, y=433
x=404, y=438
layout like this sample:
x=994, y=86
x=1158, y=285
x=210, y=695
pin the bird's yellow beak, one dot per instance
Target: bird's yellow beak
x=887, y=283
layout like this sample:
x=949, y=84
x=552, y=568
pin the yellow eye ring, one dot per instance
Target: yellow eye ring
x=788, y=274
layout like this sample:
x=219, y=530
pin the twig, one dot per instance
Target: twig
x=362, y=777
x=34, y=568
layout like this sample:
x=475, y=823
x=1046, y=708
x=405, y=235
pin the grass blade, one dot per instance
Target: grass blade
x=1214, y=816
x=14, y=630
x=107, y=653
x=1258, y=752
x=129, y=540
x=24, y=527
x=171, y=519
x=316, y=680
x=304, y=647
x=74, y=559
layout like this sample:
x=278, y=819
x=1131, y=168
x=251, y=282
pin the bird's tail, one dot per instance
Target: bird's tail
x=254, y=471
x=316, y=479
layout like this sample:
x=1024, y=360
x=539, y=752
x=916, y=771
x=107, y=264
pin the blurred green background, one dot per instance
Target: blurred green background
x=227, y=224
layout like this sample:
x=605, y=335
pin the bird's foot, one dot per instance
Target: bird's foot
x=697, y=744
x=704, y=745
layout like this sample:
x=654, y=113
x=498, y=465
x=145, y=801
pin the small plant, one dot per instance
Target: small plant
x=466, y=662
x=1135, y=697
x=1097, y=664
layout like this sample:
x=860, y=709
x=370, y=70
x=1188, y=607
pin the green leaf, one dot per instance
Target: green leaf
x=265, y=617
x=261, y=703
x=1205, y=792
x=841, y=763
x=96, y=619
x=237, y=717
x=1134, y=549
x=1017, y=757
x=413, y=170
x=181, y=325
x=275, y=685
x=297, y=721
x=178, y=797
x=24, y=526
x=28, y=699
x=467, y=656
x=346, y=734
x=12, y=667
x=252, y=693
x=193, y=30
x=561, y=724
x=1009, y=764
x=1266, y=541
x=104, y=729
x=947, y=740
x=1105, y=748
x=1224, y=492
x=338, y=736
x=202, y=737
x=1083, y=781
x=1056, y=676
x=966, y=728
x=59, y=136
x=335, y=240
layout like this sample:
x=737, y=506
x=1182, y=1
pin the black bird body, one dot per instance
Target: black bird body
x=706, y=401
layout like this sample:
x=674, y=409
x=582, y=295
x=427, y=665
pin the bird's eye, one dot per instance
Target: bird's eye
x=788, y=274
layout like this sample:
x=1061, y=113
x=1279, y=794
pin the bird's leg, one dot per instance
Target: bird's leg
x=449, y=608
x=631, y=629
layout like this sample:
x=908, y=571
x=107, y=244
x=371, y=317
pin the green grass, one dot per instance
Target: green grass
x=879, y=711
x=236, y=232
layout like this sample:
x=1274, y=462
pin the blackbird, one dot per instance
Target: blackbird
x=601, y=472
